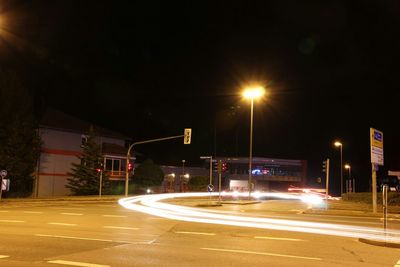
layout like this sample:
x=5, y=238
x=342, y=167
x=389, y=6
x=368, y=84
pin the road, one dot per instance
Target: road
x=96, y=234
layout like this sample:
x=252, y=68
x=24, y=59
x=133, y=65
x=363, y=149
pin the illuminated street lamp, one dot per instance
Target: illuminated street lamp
x=339, y=144
x=252, y=93
x=348, y=167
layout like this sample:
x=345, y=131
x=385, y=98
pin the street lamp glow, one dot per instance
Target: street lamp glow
x=337, y=144
x=347, y=166
x=254, y=92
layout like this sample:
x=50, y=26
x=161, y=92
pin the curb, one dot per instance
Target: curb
x=379, y=243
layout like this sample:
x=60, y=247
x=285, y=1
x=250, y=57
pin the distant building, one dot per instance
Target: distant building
x=62, y=139
x=268, y=174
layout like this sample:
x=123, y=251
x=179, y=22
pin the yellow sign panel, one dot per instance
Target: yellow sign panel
x=376, y=138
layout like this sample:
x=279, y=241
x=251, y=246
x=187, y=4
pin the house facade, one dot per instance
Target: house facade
x=62, y=139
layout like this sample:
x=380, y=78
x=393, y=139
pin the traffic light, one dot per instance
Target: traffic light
x=98, y=170
x=187, y=135
x=130, y=166
x=324, y=166
x=224, y=167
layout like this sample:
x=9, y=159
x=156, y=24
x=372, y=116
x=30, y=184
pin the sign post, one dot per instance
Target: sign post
x=376, y=138
x=3, y=174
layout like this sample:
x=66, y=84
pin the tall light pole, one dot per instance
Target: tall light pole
x=252, y=93
x=339, y=144
x=348, y=167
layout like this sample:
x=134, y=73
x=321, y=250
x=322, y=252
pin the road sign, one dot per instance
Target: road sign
x=376, y=138
x=187, y=135
x=210, y=188
x=3, y=173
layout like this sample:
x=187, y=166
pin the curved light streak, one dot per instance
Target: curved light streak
x=151, y=204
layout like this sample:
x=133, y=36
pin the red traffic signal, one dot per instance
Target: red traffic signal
x=98, y=169
x=130, y=166
x=224, y=167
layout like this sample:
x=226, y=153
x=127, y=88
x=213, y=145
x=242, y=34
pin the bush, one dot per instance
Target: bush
x=366, y=197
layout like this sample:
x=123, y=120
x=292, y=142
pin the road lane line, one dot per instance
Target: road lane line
x=193, y=233
x=123, y=228
x=33, y=212
x=115, y=216
x=278, y=238
x=4, y=256
x=77, y=263
x=63, y=224
x=4, y=211
x=261, y=253
x=12, y=221
x=71, y=214
x=75, y=237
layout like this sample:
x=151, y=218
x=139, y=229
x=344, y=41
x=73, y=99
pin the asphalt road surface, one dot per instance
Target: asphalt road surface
x=96, y=234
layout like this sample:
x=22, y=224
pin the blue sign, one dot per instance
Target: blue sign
x=378, y=136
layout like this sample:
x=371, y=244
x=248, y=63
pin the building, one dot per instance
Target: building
x=268, y=174
x=62, y=137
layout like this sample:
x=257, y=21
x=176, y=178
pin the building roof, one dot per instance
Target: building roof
x=113, y=149
x=58, y=120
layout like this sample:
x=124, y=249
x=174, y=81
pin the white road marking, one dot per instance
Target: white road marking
x=77, y=263
x=4, y=211
x=60, y=208
x=75, y=237
x=12, y=221
x=278, y=238
x=193, y=233
x=4, y=256
x=63, y=224
x=72, y=214
x=123, y=228
x=261, y=253
x=33, y=212
x=115, y=216
x=107, y=206
x=397, y=264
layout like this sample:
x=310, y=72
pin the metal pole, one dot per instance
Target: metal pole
x=341, y=169
x=219, y=181
x=127, y=171
x=210, y=169
x=251, y=146
x=101, y=182
x=373, y=188
x=327, y=182
x=1, y=187
x=384, y=202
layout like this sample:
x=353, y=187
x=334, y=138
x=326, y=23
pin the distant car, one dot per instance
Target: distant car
x=391, y=181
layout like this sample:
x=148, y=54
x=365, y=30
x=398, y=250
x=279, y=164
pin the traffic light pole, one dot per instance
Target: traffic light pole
x=128, y=154
x=327, y=183
x=219, y=179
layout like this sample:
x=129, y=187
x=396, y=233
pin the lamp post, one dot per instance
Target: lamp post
x=348, y=167
x=339, y=144
x=252, y=93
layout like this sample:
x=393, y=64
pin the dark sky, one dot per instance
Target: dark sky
x=150, y=68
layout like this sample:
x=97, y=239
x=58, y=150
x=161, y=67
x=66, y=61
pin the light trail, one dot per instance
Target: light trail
x=150, y=204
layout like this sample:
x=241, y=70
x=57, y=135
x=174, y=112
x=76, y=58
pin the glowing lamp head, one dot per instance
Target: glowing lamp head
x=254, y=92
x=347, y=166
x=337, y=144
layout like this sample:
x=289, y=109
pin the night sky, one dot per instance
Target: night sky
x=148, y=69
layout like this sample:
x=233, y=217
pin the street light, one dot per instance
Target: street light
x=348, y=167
x=339, y=144
x=252, y=93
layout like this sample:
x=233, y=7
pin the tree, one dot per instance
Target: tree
x=85, y=177
x=198, y=183
x=148, y=174
x=19, y=139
